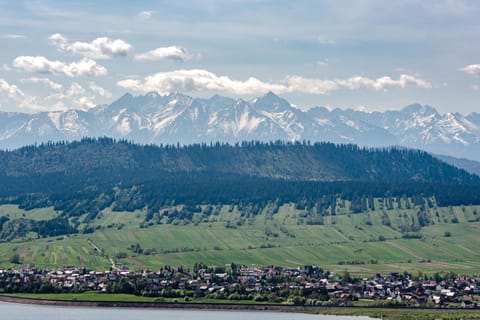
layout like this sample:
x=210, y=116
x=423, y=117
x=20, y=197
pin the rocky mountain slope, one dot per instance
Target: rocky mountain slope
x=173, y=118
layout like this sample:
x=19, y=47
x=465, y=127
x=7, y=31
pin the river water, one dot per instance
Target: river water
x=33, y=312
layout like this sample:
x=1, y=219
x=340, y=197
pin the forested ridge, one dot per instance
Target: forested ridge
x=80, y=179
x=292, y=161
x=91, y=174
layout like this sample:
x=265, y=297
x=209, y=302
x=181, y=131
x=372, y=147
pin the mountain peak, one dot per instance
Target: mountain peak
x=270, y=94
x=126, y=100
x=271, y=97
x=217, y=98
x=218, y=101
x=176, y=94
x=271, y=102
x=126, y=96
x=155, y=118
x=419, y=109
x=152, y=94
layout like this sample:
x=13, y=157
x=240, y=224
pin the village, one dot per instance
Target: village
x=308, y=285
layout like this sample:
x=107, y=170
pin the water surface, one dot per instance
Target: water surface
x=34, y=312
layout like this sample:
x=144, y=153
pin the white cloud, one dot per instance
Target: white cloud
x=100, y=48
x=326, y=41
x=145, y=15
x=203, y=80
x=39, y=64
x=45, y=81
x=75, y=97
x=473, y=69
x=11, y=90
x=75, y=90
x=318, y=86
x=11, y=96
x=322, y=63
x=197, y=80
x=171, y=52
x=99, y=90
x=309, y=85
x=58, y=41
x=382, y=83
x=362, y=109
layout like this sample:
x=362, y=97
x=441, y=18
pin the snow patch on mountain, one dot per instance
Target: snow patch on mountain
x=175, y=117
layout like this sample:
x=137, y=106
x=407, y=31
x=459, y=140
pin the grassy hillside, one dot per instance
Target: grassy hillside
x=372, y=241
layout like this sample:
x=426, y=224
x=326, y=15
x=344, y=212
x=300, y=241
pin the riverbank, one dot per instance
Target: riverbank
x=374, y=312
x=163, y=305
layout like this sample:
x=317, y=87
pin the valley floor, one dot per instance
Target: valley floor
x=375, y=241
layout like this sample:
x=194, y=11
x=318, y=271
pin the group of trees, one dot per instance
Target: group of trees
x=18, y=228
x=246, y=191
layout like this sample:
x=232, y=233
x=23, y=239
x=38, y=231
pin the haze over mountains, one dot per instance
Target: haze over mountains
x=175, y=117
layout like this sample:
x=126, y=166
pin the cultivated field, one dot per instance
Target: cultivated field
x=362, y=243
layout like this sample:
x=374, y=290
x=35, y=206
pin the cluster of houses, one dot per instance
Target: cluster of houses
x=395, y=288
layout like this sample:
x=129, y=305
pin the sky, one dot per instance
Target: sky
x=362, y=54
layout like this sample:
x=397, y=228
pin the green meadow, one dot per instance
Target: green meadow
x=362, y=243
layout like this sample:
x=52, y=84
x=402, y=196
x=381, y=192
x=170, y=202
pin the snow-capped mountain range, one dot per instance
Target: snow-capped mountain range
x=175, y=117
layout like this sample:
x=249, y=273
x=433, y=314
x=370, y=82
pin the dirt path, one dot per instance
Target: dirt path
x=408, y=250
x=136, y=262
x=97, y=248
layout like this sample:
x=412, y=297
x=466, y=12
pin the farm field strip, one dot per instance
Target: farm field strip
x=355, y=242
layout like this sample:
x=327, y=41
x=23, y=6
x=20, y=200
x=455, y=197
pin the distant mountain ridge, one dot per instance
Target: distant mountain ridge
x=465, y=164
x=178, y=118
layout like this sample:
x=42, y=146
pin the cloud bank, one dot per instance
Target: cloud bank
x=12, y=91
x=99, y=90
x=39, y=64
x=44, y=81
x=203, y=80
x=318, y=86
x=196, y=80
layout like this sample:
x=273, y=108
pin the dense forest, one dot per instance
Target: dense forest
x=85, y=177
x=122, y=161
